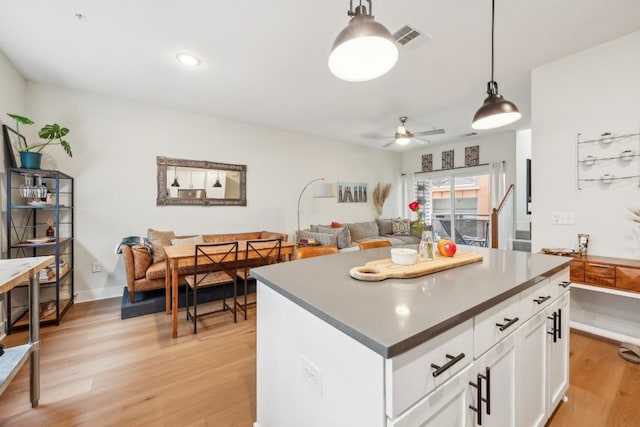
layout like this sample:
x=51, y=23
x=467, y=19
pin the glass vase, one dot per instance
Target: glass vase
x=426, y=245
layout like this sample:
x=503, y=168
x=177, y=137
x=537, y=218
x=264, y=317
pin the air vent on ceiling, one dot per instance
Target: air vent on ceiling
x=405, y=34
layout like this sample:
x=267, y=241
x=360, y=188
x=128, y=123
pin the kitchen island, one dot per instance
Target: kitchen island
x=333, y=351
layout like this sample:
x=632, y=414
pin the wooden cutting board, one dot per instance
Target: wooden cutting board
x=381, y=269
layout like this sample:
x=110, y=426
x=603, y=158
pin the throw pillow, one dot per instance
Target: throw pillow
x=385, y=226
x=158, y=239
x=336, y=225
x=343, y=235
x=195, y=240
x=363, y=230
x=400, y=227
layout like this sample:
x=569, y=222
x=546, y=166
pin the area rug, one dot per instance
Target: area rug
x=153, y=301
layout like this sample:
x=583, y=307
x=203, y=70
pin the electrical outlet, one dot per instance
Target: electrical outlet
x=312, y=375
x=96, y=267
x=562, y=218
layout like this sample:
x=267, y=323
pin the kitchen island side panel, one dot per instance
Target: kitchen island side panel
x=311, y=374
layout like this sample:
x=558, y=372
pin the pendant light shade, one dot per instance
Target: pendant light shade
x=364, y=49
x=217, y=183
x=175, y=178
x=495, y=110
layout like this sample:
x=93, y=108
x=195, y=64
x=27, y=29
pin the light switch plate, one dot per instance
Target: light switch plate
x=562, y=218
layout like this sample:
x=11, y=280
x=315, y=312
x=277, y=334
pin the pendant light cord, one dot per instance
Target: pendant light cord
x=493, y=13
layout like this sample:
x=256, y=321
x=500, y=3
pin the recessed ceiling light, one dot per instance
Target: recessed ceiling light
x=186, y=59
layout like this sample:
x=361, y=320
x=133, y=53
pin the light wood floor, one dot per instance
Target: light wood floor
x=100, y=370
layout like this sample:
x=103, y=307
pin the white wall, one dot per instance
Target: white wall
x=496, y=147
x=591, y=92
x=115, y=144
x=12, y=87
x=523, y=152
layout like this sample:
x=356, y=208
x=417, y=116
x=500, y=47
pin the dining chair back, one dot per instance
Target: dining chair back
x=216, y=264
x=312, y=251
x=369, y=244
x=257, y=253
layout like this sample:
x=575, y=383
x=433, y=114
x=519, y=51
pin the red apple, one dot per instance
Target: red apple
x=446, y=247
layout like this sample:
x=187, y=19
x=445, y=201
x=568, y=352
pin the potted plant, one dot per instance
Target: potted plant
x=30, y=156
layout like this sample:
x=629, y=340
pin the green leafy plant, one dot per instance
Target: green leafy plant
x=53, y=134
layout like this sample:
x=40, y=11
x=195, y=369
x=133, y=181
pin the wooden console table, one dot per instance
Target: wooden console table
x=14, y=272
x=618, y=273
x=605, y=297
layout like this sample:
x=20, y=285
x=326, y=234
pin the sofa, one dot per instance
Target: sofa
x=145, y=265
x=348, y=236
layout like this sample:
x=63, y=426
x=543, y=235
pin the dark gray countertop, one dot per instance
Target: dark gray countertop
x=395, y=315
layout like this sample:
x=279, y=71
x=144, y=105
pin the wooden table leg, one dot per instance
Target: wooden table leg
x=174, y=298
x=167, y=287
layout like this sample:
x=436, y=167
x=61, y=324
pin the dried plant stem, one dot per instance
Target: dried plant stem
x=380, y=194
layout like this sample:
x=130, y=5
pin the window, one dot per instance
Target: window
x=456, y=205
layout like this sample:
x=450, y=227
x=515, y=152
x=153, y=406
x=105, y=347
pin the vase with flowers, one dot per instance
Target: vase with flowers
x=424, y=231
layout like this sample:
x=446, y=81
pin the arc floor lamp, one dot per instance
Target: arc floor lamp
x=320, y=190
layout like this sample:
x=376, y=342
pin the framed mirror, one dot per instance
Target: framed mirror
x=199, y=182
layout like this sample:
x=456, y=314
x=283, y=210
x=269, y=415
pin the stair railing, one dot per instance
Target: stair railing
x=502, y=222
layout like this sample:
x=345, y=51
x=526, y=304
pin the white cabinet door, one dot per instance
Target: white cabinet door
x=558, y=351
x=448, y=405
x=495, y=372
x=531, y=381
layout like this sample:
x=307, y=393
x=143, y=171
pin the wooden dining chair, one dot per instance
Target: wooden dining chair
x=216, y=264
x=257, y=254
x=311, y=251
x=374, y=244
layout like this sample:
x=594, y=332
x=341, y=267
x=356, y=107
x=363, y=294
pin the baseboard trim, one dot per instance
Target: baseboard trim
x=98, y=294
x=603, y=333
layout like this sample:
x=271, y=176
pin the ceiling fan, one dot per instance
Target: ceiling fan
x=403, y=136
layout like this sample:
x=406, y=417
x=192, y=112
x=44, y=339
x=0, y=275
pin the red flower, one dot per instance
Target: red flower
x=414, y=206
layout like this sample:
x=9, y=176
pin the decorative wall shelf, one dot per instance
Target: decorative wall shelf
x=608, y=159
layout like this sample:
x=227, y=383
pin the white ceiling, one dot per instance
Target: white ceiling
x=266, y=62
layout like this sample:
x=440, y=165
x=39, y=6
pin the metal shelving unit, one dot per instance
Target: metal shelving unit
x=28, y=218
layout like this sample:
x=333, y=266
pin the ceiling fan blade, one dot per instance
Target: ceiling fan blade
x=421, y=141
x=429, y=132
x=376, y=136
x=388, y=144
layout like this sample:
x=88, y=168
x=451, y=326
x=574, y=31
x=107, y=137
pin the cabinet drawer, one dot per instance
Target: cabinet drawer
x=410, y=376
x=559, y=282
x=496, y=323
x=599, y=274
x=628, y=278
x=535, y=299
x=577, y=271
x=447, y=406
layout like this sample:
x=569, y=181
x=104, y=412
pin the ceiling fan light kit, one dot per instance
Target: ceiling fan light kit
x=495, y=110
x=364, y=50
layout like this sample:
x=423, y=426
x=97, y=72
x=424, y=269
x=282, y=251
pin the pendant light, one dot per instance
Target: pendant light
x=364, y=49
x=175, y=178
x=495, y=110
x=217, y=183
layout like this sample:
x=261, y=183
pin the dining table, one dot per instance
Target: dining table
x=184, y=256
